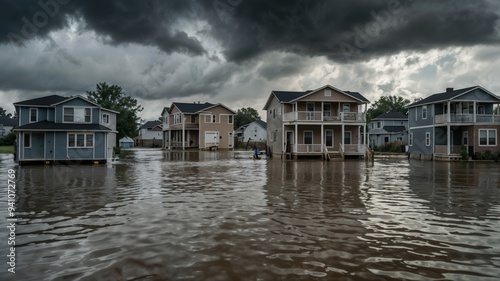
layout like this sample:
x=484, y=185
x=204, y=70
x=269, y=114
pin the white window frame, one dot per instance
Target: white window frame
x=328, y=92
x=177, y=118
x=208, y=118
x=333, y=137
x=350, y=137
x=329, y=111
x=74, y=109
x=75, y=145
x=424, y=112
x=230, y=119
x=214, y=118
x=488, y=131
x=36, y=115
x=410, y=143
x=427, y=139
x=465, y=136
x=483, y=110
x=105, y=118
x=344, y=107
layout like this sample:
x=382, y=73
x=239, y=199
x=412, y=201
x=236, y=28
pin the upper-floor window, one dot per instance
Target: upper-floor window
x=177, y=118
x=77, y=114
x=328, y=93
x=230, y=119
x=208, y=118
x=193, y=119
x=379, y=124
x=424, y=112
x=33, y=115
x=105, y=118
x=346, y=107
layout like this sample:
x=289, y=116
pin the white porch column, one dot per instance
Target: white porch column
x=296, y=136
x=448, y=117
x=342, y=140
x=448, y=139
x=284, y=141
x=322, y=136
x=183, y=132
x=474, y=111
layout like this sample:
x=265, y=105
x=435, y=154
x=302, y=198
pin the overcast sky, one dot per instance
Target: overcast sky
x=236, y=52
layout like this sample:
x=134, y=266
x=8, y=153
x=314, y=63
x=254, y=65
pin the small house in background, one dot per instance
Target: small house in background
x=254, y=131
x=6, y=125
x=126, y=142
x=389, y=127
x=150, y=134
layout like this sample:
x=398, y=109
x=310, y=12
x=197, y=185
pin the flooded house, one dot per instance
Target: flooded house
x=446, y=125
x=203, y=126
x=64, y=129
x=326, y=122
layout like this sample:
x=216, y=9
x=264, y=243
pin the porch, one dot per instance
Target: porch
x=466, y=118
x=320, y=116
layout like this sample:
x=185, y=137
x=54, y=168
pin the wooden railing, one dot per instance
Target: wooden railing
x=467, y=118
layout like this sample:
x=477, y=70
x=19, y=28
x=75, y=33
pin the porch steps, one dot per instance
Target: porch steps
x=451, y=157
x=334, y=156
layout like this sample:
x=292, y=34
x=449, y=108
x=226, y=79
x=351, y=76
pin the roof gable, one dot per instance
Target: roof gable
x=6, y=121
x=150, y=124
x=450, y=95
x=190, y=107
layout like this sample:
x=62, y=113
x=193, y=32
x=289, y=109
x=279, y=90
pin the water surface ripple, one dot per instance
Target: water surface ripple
x=223, y=216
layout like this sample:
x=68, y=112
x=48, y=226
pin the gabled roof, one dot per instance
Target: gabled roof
x=291, y=96
x=393, y=129
x=51, y=126
x=261, y=123
x=193, y=108
x=449, y=95
x=126, y=139
x=391, y=115
x=43, y=101
x=150, y=124
x=7, y=121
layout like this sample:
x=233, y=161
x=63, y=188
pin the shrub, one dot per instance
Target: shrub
x=9, y=139
x=487, y=155
x=464, y=152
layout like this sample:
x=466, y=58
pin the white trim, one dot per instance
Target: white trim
x=102, y=118
x=350, y=137
x=410, y=140
x=422, y=127
x=76, y=141
x=426, y=113
x=427, y=138
x=487, y=137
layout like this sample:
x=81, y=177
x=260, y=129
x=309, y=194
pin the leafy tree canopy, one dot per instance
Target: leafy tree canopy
x=3, y=112
x=113, y=97
x=245, y=116
x=388, y=104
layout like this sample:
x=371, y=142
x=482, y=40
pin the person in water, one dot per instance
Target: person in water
x=255, y=152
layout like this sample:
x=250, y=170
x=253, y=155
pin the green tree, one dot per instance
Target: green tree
x=3, y=112
x=245, y=116
x=113, y=97
x=388, y=104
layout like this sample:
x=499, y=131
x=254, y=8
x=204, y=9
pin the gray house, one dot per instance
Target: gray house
x=64, y=129
x=442, y=123
x=6, y=125
x=389, y=127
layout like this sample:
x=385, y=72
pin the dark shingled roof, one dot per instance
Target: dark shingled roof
x=192, y=107
x=6, y=121
x=48, y=100
x=393, y=129
x=51, y=126
x=441, y=96
x=261, y=123
x=391, y=115
x=287, y=96
x=150, y=124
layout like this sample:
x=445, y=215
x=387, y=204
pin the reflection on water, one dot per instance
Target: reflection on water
x=223, y=216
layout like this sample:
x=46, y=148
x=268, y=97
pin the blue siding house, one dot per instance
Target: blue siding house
x=389, y=127
x=442, y=123
x=64, y=129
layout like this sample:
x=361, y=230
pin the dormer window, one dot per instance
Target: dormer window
x=105, y=118
x=77, y=115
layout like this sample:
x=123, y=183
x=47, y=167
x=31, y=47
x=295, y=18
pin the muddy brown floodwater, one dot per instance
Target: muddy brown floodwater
x=223, y=216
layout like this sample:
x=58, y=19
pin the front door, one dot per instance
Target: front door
x=37, y=145
x=289, y=141
x=329, y=138
x=465, y=138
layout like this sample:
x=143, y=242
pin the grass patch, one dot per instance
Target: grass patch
x=7, y=149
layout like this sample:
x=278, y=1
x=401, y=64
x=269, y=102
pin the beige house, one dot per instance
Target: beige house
x=325, y=122
x=196, y=125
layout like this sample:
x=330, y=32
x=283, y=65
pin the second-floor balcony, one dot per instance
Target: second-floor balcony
x=466, y=118
x=320, y=116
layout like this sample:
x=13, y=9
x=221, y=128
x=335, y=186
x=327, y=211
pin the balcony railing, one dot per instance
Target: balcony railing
x=319, y=116
x=467, y=118
x=309, y=148
x=321, y=148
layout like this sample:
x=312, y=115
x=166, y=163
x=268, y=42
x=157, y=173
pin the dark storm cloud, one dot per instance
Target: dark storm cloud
x=143, y=22
x=340, y=30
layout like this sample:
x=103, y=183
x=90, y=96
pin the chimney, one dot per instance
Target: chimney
x=448, y=90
